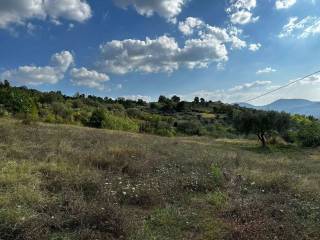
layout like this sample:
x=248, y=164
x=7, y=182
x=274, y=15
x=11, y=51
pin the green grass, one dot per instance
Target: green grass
x=67, y=183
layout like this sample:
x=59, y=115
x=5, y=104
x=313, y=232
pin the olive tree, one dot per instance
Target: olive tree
x=261, y=123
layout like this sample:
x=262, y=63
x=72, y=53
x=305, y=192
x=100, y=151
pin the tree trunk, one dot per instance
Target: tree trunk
x=262, y=139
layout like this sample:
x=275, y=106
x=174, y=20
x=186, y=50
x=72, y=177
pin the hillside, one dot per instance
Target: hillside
x=68, y=183
x=293, y=106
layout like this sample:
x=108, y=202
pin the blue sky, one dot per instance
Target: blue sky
x=229, y=50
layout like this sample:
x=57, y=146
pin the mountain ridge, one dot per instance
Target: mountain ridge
x=293, y=106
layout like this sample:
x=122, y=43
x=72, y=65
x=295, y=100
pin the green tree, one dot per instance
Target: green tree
x=18, y=102
x=175, y=99
x=309, y=134
x=162, y=99
x=97, y=119
x=261, y=123
x=6, y=84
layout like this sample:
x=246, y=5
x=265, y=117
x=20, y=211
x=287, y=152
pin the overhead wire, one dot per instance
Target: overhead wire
x=284, y=86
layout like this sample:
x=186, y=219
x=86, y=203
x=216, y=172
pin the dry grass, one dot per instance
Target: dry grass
x=65, y=183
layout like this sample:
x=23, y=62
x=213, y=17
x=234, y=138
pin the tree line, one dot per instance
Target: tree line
x=166, y=117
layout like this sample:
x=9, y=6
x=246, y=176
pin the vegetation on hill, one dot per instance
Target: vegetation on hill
x=167, y=117
x=213, y=181
x=62, y=182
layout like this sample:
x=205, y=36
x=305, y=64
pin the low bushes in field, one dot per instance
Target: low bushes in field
x=103, y=119
x=309, y=134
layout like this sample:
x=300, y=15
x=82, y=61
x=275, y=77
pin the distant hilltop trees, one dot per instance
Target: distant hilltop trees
x=166, y=117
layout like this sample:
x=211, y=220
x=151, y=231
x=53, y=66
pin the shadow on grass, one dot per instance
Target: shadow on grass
x=272, y=149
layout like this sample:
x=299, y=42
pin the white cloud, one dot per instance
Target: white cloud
x=266, y=70
x=254, y=47
x=230, y=35
x=19, y=12
x=243, y=17
x=62, y=60
x=87, y=78
x=304, y=28
x=119, y=86
x=188, y=26
x=34, y=75
x=234, y=94
x=75, y=10
x=284, y=4
x=313, y=80
x=137, y=97
x=240, y=11
x=243, y=4
x=205, y=45
x=251, y=85
x=159, y=55
x=168, y=9
x=306, y=89
x=121, y=57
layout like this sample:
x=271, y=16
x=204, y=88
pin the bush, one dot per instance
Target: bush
x=189, y=128
x=120, y=123
x=158, y=127
x=217, y=199
x=97, y=119
x=102, y=119
x=217, y=175
x=3, y=112
x=309, y=135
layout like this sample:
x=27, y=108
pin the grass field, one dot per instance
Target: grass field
x=63, y=182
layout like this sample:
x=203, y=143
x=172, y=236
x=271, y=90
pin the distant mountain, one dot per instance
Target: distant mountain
x=293, y=106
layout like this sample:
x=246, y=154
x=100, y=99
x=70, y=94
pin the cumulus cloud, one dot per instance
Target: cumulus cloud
x=162, y=54
x=188, y=26
x=19, y=12
x=308, y=88
x=284, y=4
x=243, y=17
x=234, y=94
x=240, y=11
x=301, y=28
x=62, y=60
x=130, y=55
x=313, y=80
x=137, y=97
x=87, y=78
x=254, y=47
x=35, y=75
x=205, y=45
x=266, y=70
x=230, y=35
x=168, y=9
x=251, y=85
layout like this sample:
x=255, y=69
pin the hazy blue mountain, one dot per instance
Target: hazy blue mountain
x=294, y=106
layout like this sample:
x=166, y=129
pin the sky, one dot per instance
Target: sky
x=228, y=50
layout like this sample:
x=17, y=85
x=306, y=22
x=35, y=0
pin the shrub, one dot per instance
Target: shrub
x=102, y=119
x=159, y=126
x=309, y=135
x=167, y=223
x=3, y=112
x=217, y=175
x=114, y=122
x=62, y=112
x=217, y=199
x=189, y=127
x=261, y=123
x=97, y=119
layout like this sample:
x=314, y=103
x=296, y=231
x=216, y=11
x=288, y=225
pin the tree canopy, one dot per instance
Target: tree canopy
x=261, y=123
